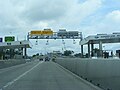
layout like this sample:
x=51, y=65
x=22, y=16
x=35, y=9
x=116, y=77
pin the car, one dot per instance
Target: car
x=47, y=59
x=28, y=60
x=40, y=59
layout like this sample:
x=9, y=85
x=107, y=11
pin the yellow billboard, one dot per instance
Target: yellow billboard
x=36, y=32
x=47, y=32
x=42, y=32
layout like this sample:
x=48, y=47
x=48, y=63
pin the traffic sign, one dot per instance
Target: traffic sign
x=47, y=32
x=36, y=32
x=50, y=34
x=44, y=32
x=9, y=38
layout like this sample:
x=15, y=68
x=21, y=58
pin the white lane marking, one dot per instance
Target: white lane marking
x=11, y=82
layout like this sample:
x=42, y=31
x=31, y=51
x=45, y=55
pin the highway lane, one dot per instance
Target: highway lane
x=9, y=74
x=41, y=76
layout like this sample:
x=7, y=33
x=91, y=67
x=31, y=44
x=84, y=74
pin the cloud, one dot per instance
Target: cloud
x=20, y=17
x=29, y=14
x=78, y=12
x=107, y=23
x=111, y=22
x=9, y=18
x=58, y=14
x=45, y=10
x=113, y=16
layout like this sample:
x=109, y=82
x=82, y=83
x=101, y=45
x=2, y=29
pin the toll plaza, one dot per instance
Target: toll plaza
x=14, y=49
x=99, y=39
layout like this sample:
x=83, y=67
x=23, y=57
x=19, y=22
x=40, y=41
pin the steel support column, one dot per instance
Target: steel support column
x=25, y=52
x=92, y=48
x=88, y=49
x=100, y=48
x=82, y=51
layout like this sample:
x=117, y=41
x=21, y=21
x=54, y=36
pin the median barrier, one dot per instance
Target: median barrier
x=102, y=72
x=11, y=62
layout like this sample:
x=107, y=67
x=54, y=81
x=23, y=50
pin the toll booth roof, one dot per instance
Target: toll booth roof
x=15, y=44
x=104, y=38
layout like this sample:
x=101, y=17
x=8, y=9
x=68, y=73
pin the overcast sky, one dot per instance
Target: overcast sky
x=18, y=17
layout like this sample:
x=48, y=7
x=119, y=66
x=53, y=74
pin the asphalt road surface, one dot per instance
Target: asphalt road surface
x=41, y=76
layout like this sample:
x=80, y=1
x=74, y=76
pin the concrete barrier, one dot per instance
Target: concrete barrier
x=11, y=62
x=102, y=72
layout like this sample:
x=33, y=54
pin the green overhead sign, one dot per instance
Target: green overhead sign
x=9, y=38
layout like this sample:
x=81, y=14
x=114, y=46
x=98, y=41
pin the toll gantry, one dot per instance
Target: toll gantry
x=50, y=34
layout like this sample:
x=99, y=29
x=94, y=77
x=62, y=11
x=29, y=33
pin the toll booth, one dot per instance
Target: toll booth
x=107, y=53
x=14, y=49
x=99, y=39
x=118, y=53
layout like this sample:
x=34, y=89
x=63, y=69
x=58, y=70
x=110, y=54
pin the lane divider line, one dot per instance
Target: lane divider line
x=14, y=80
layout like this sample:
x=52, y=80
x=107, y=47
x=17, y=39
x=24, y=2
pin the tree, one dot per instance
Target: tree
x=68, y=52
x=37, y=54
x=33, y=55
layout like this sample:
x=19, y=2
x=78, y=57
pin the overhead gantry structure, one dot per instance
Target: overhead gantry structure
x=49, y=34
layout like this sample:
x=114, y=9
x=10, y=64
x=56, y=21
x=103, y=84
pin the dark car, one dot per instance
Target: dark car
x=40, y=59
x=47, y=59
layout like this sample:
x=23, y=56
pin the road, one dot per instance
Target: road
x=41, y=76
